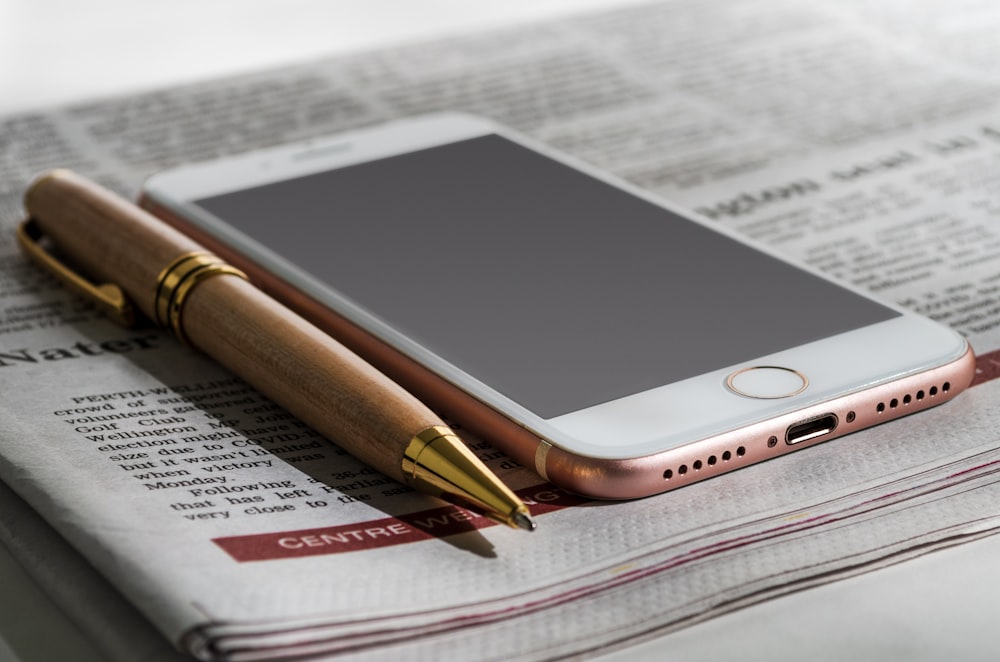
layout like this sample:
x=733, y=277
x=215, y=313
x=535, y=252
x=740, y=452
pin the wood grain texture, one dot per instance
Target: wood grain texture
x=111, y=239
x=275, y=350
x=303, y=369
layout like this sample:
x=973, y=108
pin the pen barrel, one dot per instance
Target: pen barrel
x=110, y=239
x=277, y=352
x=307, y=372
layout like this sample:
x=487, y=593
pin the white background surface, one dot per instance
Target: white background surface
x=54, y=51
x=942, y=606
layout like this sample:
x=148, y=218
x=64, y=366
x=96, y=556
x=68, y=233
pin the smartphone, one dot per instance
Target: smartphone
x=614, y=342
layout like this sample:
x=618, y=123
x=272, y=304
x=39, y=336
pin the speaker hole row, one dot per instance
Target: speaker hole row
x=908, y=398
x=698, y=465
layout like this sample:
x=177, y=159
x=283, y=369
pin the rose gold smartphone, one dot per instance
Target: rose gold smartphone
x=615, y=343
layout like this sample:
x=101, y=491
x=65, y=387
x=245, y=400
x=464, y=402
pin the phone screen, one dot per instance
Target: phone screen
x=553, y=287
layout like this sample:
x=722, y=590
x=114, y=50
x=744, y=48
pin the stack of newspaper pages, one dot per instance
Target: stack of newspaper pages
x=862, y=138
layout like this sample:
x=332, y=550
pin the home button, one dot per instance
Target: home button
x=767, y=382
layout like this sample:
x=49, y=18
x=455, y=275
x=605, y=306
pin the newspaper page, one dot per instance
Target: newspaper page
x=855, y=136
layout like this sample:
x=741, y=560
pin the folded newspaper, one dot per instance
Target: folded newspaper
x=863, y=138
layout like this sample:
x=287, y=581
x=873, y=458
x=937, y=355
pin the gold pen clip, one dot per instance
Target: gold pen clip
x=109, y=297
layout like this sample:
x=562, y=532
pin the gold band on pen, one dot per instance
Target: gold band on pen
x=178, y=279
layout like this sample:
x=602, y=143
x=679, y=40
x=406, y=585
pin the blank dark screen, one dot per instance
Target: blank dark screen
x=557, y=289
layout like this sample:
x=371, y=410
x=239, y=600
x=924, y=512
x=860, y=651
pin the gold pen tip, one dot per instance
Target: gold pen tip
x=524, y=521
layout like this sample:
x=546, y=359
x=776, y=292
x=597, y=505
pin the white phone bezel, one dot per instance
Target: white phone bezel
x=630, y=427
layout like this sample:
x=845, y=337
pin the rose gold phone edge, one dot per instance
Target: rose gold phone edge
x=598, y=477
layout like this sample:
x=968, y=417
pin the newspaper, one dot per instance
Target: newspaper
x=859, y=137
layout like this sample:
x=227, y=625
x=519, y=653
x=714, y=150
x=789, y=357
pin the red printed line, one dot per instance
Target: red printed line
x=432, y=523
x=385, y=532
x=987, y=367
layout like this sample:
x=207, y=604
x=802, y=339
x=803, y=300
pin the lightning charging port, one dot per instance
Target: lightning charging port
x=810, y=429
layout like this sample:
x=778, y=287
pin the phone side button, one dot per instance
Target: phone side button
x=767, y=382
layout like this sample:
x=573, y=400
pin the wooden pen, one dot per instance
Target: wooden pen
x=213, y=307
